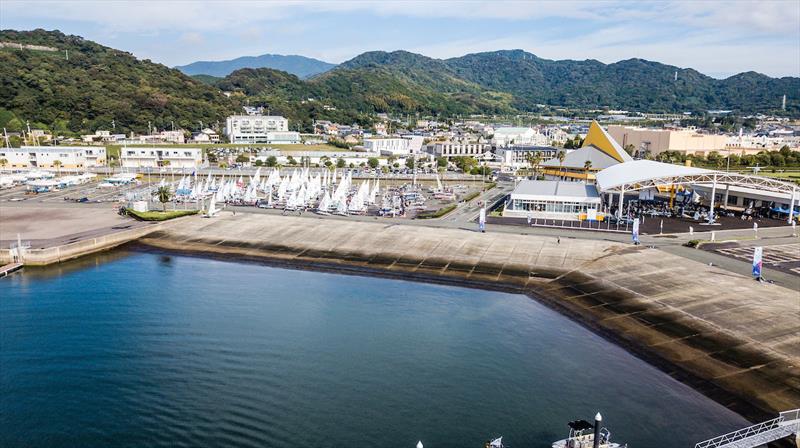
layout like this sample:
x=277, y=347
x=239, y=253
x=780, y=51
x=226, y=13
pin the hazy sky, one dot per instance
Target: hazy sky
x=718, y=38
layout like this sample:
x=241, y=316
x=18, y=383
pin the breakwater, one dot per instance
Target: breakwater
x=734, y=339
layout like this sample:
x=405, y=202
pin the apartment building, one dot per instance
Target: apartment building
x=54, y=156
x=254, y=128
x=151, y=157
x=459, y=148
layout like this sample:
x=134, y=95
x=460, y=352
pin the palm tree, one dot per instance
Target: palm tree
x=586, y=166
x=57, y=164
x=163, y=194
x=537, y=159
x=3, y=163
x=561, y=156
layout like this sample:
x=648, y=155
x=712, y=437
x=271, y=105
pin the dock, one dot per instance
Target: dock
x=10, y=268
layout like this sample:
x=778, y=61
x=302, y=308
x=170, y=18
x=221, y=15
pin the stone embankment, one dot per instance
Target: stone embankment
x=735, y=339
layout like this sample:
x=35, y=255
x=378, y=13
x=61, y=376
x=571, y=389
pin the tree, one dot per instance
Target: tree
x=57, y=164
x=586, y=166
x=163, y=194
x=410, y=163
x=291, y=161
x=373, y=162
x=441, y=162
x=465, y=164
x=340, y=163
x=259, y=162
x=3, y=163
x=242, y=158
x=561, y=156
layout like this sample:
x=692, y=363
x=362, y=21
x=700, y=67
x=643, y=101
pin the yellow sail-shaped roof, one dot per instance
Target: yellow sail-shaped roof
x=599, y=138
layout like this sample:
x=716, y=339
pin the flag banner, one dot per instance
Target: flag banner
x=757, y=254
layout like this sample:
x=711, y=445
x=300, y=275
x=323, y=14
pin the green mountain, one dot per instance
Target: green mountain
x=97, y=84
x=512, y=81
x=69, y=84
x=634, y=84
x=301, y=66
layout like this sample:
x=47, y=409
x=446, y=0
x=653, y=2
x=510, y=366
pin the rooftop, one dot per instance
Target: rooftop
x=565, y=190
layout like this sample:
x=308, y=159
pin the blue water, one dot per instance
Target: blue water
x=140, y=349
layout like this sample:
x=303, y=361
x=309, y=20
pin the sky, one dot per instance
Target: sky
x=718, y=38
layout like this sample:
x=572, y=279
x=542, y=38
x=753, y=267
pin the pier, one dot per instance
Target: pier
x=9, y=269
x=787, y=424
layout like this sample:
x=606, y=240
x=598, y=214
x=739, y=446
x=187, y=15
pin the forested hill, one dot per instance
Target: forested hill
x=634, y=84
x=96, y=85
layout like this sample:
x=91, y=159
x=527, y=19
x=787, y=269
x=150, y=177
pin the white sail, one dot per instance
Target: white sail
x=212, y=207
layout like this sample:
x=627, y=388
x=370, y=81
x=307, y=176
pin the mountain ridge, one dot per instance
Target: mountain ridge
x=299, y=65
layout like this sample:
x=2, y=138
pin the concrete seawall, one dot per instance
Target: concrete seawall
x=63, y=252
x=736, y=340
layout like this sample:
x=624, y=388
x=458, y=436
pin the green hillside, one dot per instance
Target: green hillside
x=96, y=85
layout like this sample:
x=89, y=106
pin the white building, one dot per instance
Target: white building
x=553, y=199
x=46, y=156
x=102, y=136
x=518, y=156
x=459, y=148
x=175, y=157
x=254, y=128
x=394, y=146
x=283, y=137
x=206, y=136
x=510, y=136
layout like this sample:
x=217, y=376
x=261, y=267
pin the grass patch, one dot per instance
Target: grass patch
x=159, y=216
x=437, y=213
x=490, y=186
x=693, y=243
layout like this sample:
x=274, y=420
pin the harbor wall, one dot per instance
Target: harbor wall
x=63, y=252
x=733, y=339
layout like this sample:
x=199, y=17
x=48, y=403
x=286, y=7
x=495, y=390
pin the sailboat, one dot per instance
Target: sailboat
x=324, y=204
x=212, y=208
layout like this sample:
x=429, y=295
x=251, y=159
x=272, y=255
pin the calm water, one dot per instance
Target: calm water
x=140, y=349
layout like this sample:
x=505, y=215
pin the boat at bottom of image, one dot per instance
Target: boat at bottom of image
x=583, y=434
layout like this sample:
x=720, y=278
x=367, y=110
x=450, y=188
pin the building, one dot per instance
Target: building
x=254, y=128
x=459, y=148
x=655, y=141
x=47, y=156
x=394, y=146
x=149, y=157
x=206, y=136
x=553, y=199
x=518, y=156
x=599, y=151
x=506, y=136
x=102, y=136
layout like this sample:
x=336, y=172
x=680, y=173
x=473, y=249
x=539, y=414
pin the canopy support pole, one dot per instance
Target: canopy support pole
x=791, y=205
x=621, y=197
x=713, y=193
x=725, y=202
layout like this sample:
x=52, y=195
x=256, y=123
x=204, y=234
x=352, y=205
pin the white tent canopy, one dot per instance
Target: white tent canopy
x=642, y=174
